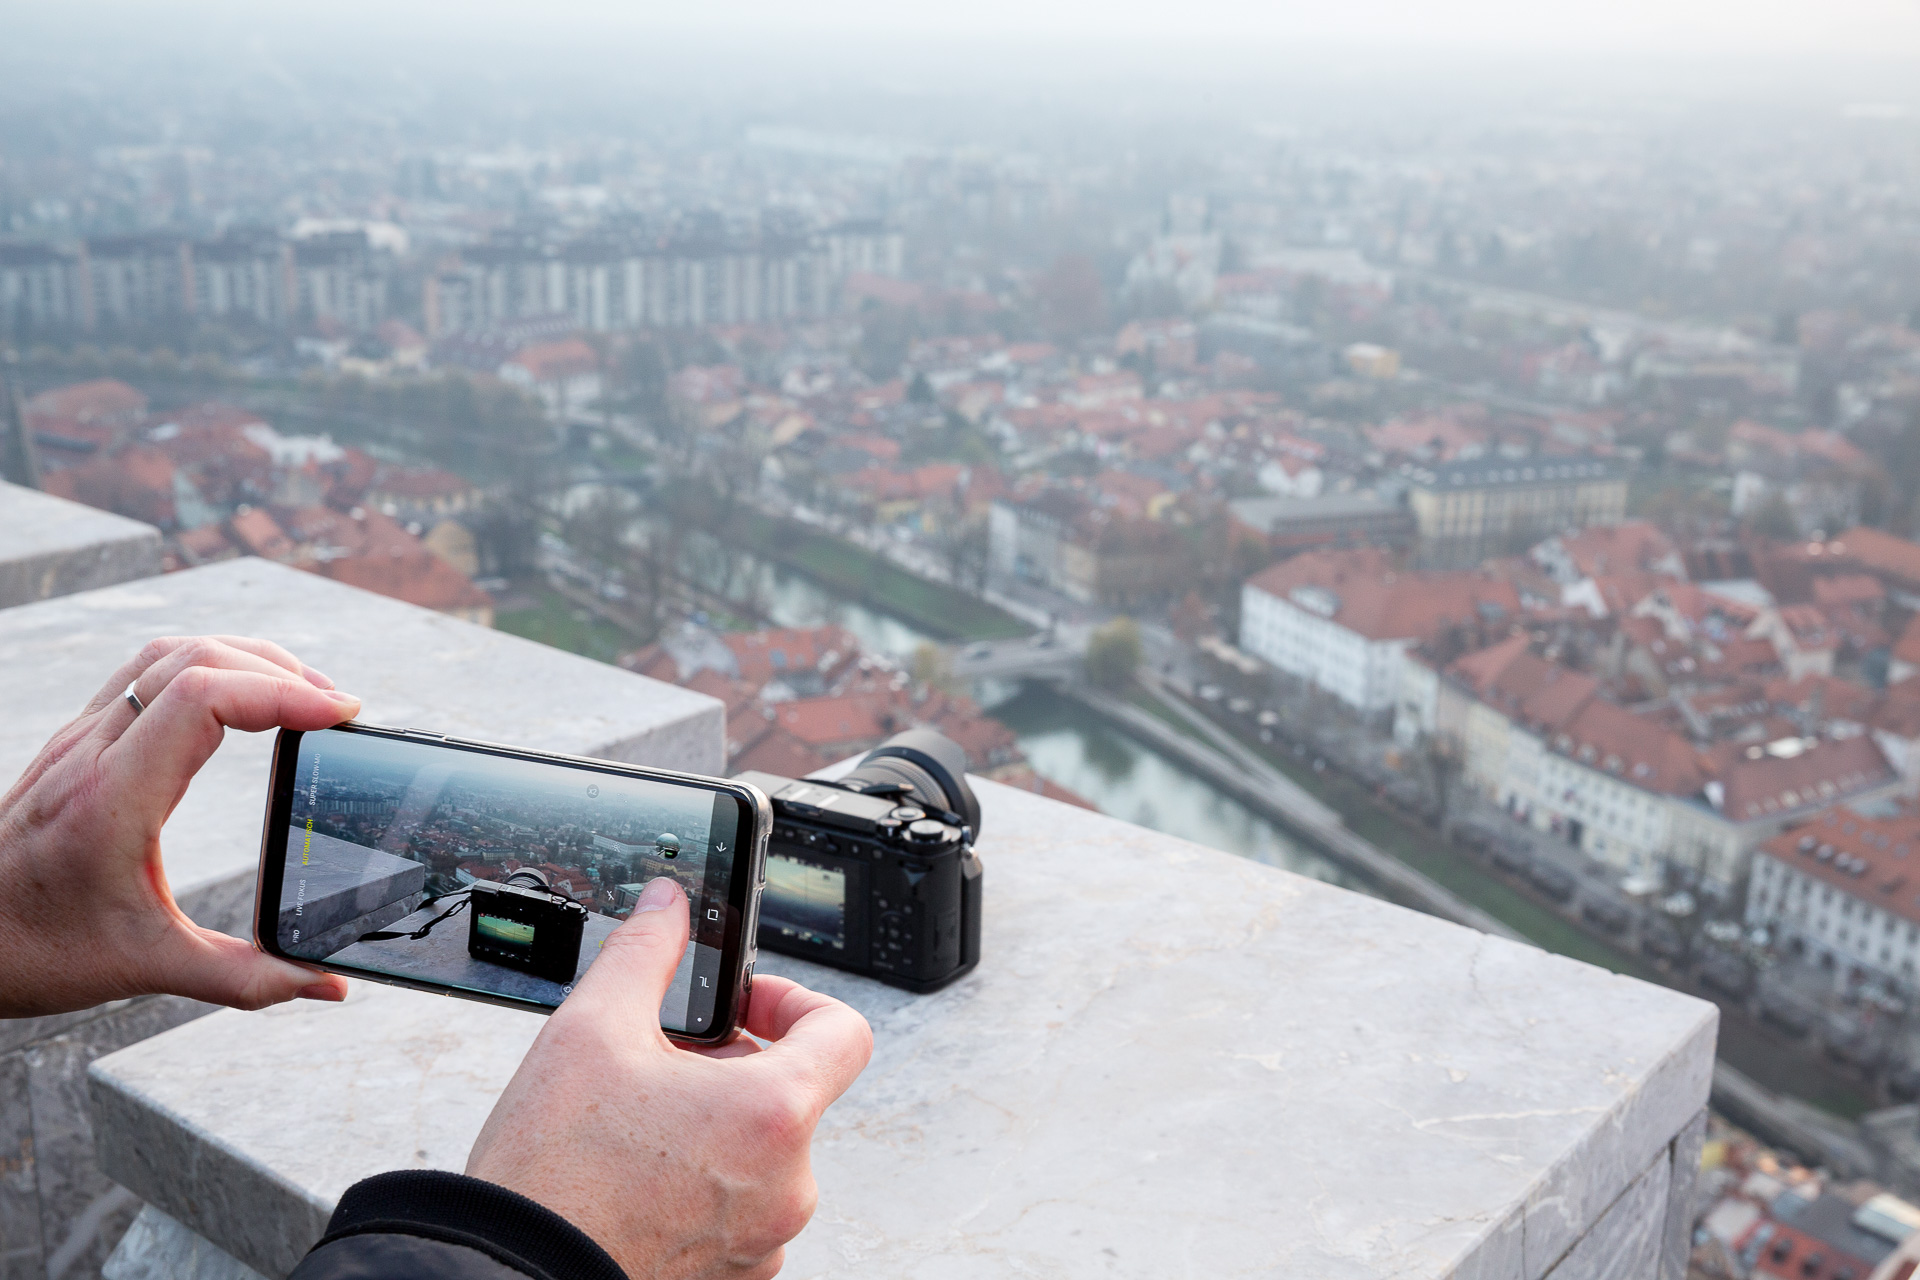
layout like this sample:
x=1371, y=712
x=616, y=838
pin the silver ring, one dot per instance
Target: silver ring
x=133, y=700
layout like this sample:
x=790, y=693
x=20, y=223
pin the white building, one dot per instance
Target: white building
x=1623, y=788
x=1842, y=891
x=1342, y=620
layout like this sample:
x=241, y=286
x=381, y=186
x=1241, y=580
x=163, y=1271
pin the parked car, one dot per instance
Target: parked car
x=1788, y=1015
x=1556, y=882
x=1856, y=1048
x=1663, y=943
x=1726, y=973
x=1509, y=855
x=1604, y=913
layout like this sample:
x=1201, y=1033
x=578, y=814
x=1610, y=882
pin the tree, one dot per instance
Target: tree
x=1444, y=767
x=1113, y=653
x=932, y=669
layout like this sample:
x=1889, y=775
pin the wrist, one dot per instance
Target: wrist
x=453, y=1207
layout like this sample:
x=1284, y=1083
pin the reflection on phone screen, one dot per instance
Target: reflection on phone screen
x=491, y=874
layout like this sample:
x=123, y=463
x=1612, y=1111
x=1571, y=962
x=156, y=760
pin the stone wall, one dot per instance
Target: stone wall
x=60, y=1216
x=51, y=547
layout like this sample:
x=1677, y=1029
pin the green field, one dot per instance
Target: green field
x=556, y=621
x=855, y=573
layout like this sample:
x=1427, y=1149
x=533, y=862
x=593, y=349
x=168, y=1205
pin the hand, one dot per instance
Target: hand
x=680, y=1162
x=86, y=915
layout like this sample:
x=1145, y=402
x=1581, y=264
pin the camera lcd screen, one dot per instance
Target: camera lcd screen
x=501, y=929
x=386, y=838
x=805, y=901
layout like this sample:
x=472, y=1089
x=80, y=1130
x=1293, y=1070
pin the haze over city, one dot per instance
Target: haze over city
x=1468, y=454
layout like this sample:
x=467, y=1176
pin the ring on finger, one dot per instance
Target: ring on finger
x=133, y=699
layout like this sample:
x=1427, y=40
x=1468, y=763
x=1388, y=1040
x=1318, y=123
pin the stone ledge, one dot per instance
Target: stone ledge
x=411, y=667
x=52, y=547
x=1171, y=1061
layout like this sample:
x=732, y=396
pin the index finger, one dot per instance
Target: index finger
x=827, y=1042
x=156, y=649
x=168, y=742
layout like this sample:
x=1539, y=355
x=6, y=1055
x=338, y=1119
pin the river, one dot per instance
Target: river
x=1065, y=742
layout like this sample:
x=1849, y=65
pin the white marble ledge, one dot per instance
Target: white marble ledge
x=52, y=547
x=1171, y=1061
x=411, y=667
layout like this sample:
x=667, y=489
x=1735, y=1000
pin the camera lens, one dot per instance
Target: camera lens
x=928, y=766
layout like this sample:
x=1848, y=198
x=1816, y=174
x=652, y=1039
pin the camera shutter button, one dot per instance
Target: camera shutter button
x=908, y=813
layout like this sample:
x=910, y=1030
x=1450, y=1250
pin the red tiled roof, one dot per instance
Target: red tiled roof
x=1907, y=648
x=420, y=578
x=101, y=399
x=1633, y=546
x=828, y=721
x=1614, y=740
x=136, y=482
x=1885, y=851
x=778, y=752
x=1480, y=669
x=1383, y=603
x=260, y=534
x=1836, y=698
x=762, y=655
x=1759, y=785
x=1848, y=588
x=1880, y=552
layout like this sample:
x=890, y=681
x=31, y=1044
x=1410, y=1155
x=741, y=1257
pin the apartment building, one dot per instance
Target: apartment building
x=1624, y=785
x=1468, y=510
x=42, y=289
x=1070, y=544
x=1343, y=620
x=606, y=283
x=1844, y=891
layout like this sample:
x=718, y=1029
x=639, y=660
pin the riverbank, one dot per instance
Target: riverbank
x=857, y=574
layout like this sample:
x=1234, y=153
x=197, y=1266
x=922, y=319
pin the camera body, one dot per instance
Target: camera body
x=526, y=927
x=876, y=872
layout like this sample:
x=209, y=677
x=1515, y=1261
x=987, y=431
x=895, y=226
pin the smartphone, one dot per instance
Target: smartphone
x=493, y=873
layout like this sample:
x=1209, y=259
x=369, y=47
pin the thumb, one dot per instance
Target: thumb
x=213, y=967
x=629, y=978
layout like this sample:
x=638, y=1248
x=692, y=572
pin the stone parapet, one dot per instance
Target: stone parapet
x=52, y=547
x=412, y=667
x=1171, y=1061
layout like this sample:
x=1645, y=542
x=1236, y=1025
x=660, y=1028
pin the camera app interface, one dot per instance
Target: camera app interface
x=805, y=902
x=494, y=875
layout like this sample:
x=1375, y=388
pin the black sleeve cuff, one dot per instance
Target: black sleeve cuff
x=505, y=1225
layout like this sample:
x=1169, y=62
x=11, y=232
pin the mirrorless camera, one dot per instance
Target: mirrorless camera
x=876, y=872
x=526, y=925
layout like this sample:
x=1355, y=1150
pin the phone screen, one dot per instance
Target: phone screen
x=496, y=875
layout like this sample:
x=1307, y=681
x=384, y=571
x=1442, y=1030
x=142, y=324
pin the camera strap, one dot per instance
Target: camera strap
x=382, y=935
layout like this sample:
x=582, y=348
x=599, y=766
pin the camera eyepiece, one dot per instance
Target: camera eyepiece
x=927, y=766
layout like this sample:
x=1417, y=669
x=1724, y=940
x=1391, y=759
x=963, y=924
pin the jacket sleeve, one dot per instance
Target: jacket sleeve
x=426, y=1224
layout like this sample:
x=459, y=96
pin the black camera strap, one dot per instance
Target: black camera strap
x=382, y=935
